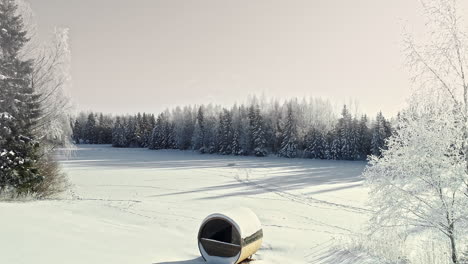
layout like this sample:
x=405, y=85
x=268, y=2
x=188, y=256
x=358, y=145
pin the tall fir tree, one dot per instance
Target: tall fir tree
x=20, y=108
x=315, y=144
x=90, y=129
x=226, y=133
x=199, y=136
x=257, y=133
x=364, y=138
x=118, y=134
x=289, y=143
x=77, y=130
x=380, y=132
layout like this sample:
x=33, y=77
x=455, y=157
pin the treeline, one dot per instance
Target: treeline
x=307, y=129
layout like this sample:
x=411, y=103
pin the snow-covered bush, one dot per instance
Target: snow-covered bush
x=419, y=182
x=464, y=257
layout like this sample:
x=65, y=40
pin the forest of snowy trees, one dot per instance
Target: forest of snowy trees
x=295, y=128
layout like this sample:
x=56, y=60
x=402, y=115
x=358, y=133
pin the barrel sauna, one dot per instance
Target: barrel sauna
x=230, y=237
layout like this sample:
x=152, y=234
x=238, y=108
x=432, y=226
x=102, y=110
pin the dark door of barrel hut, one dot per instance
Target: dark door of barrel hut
x=230, y=237
x=220, y=238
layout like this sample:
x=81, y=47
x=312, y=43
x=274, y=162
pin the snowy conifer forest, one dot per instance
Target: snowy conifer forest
x=305, y=129
x=214, y=179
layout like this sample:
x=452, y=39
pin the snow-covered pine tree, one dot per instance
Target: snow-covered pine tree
x=308, y=144
x=19, y=107
x=225, y=132
x=211, y=135
x=179, y=123
x=77, y=130
x=256, y=131
x=169, y=135
x=364, y=138
x=355, y=137
x=259, y=139
x=244, y=131
x=322, y=146
x=380, y=132
x=152, y=144
x=90, y=130
x=345, y=135
x=236, y=130
x=275, y=117
x=107, y=125
x=335, y=148
x=118, y=134
x=149, y=130
x=332, y=145
x=145, y=130
x=315, y=144
x=131, y=134
x=158, y=137
x=188, y=128
x=100, y=130
x=289, y=142
x=139, y=137
x=198, y=138
x=114, y=131
x=236, y=148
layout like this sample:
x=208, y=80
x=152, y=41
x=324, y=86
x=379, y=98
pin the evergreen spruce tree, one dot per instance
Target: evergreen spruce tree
x=244, y=131
x=100, y=130
x=144, y=131
x=163, y=133
x=157, y=141
x=236, y=147
x=364, y=138
x=76, y=135
x=314, y=143
x=335, y=149
x=321, y=145
x=130, y=132
x=308, y=151
x=380, y=132
x=289, y=143
x=225, y=133
x=257, y=133
x=169, y=135
x=150, y=128
x=19, y=107
x=139, y=137
x=344, y=132
x=118, y=134
x=198, y=138
x=188, y=127
x=90, y=130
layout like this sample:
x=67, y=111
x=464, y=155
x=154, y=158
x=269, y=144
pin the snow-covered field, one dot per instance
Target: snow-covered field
x=138, y=206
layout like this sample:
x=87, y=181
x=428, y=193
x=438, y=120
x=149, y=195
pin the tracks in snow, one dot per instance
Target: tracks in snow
x=309, y=201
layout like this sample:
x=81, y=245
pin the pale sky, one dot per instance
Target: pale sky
x=146, y=55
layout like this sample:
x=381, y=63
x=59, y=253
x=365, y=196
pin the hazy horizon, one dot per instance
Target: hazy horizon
x=146, y=56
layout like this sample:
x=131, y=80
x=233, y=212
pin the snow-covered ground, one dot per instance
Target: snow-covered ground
x=138, y=206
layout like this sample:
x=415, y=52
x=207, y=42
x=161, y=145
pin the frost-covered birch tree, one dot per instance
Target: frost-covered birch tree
x=421, y=181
